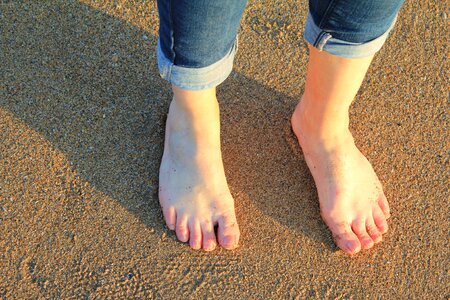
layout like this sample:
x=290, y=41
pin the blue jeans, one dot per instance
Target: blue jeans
x=197, y=38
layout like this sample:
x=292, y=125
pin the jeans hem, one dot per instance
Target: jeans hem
x=324, y=41
x=196, y=78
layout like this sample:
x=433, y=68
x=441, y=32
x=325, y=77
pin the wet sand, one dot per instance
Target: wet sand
x=82, y=112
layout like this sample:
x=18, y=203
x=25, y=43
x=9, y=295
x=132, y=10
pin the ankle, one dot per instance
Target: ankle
x=320, y=125
x=193, y=114
x=193, y=125
x=194, y=100
x=190, y=107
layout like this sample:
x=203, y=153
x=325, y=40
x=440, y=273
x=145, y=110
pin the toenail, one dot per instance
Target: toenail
x=351, y=247
x=210, y=247
x=183, y=236
x=368, y=243
x=228, y=240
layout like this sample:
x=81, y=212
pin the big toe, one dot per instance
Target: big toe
x=348, y=242
x=228, y=232
x=344, y=237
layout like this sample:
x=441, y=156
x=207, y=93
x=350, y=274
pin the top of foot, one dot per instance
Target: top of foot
x=193, y=191
x=352, y=202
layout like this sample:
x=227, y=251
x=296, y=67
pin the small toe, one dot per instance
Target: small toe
x=182, y=229
x=380, y=220
x=208, y=236
x=373, y=231
x=170, y=217
x=359, y=228
x=344, y=237
x=384, y=206
x=228, y=231
x=195, y=239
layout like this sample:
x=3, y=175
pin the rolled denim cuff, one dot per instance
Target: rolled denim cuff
x=196, y=78
x=324, y=41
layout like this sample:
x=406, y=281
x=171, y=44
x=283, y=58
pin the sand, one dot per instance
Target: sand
x=82, y=110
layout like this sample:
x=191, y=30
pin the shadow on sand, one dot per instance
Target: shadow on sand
x=87, y=81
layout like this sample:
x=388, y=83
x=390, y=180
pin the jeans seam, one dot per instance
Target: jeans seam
x=327, y=12
x=324, y=36
x=172, y=39
x=323, y=40
x=317, y=41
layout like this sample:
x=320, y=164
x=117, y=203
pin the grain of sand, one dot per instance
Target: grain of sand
x=82, y=113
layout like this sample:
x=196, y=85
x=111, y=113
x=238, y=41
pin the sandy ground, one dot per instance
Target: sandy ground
x=82, y=110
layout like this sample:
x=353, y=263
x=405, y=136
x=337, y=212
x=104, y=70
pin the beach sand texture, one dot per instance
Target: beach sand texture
x=82, y=112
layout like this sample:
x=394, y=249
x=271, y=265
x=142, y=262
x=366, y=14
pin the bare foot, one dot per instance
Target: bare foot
x=193, y=191
x=352, y=202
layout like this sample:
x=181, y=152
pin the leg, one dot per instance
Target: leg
x=193, y=191
x=351, y=198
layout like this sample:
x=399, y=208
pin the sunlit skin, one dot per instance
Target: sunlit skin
x=194, y=194
x=352, y=202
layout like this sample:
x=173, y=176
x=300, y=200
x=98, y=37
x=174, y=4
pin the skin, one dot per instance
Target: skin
x=194, y=194
x=352, y=202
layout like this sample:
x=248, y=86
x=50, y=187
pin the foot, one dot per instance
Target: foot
x=352, y=202
x=193, y=191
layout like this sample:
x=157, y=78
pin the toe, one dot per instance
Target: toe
x=372, y=230
x=344, y=237
x=182, y=228
x=380, y=219
x=228, y=231
x=170, y=217
x=359, y=228
x=384, y=206
x=195, y=239
x=209, y=238
x=348, y=242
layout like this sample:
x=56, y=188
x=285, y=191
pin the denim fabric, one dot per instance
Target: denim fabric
x=198, y=33
x=197, y=38
x=355, y=21
x=350, y=28
x=325, y=41
x=196, y=78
